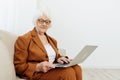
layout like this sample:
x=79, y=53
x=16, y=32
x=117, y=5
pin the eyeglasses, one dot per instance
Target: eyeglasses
x=42, y=21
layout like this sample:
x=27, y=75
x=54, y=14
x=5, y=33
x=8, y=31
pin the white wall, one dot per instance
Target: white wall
x=75, y=23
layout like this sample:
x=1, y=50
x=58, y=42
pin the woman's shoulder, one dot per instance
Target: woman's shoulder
x=23, y=40
x=26, y=35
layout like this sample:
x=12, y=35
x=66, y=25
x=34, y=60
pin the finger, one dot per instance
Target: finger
x=44, y=69
x=66, y=60
x=60, y=61
x=51, y=66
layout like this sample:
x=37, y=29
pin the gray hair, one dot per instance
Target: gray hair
x=39, y=13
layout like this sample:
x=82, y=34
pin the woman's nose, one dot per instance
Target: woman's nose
x=44, y=23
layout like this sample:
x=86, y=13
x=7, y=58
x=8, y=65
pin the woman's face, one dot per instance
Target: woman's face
x=43, y=23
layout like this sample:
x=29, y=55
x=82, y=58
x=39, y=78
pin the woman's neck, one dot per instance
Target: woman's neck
x=40, y=33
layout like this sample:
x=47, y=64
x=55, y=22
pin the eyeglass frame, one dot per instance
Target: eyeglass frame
x=42, y=21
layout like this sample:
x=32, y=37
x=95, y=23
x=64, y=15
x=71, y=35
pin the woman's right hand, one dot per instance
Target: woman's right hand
x=44, y=66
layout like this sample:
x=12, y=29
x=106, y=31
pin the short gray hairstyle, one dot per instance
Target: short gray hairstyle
x=40, y=12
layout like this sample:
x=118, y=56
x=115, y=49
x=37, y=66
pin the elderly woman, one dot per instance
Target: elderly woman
x=35, y=53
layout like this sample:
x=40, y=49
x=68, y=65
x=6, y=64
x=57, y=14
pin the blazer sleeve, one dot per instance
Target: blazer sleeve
x=22, y=67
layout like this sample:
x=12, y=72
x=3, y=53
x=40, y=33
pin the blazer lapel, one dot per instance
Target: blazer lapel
x=36, y=39
x=51, y=43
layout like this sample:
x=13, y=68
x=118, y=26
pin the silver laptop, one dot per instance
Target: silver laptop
x=80, y=57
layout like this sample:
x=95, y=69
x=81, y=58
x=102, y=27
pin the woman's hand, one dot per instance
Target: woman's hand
x=44, y=66
x=63, y=60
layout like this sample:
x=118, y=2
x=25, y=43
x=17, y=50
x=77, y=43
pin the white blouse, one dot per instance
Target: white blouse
x=50, y=52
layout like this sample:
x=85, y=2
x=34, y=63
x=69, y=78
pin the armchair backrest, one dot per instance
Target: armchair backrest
x=8, y=39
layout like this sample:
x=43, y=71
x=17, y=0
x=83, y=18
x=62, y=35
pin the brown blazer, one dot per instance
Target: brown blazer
x=29, y=51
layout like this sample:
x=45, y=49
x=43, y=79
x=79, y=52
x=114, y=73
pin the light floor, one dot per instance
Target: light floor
x=101, y=74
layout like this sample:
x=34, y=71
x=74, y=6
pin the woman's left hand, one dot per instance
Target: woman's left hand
x=63, y=60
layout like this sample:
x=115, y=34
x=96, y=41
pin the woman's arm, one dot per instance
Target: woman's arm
x=22, y=67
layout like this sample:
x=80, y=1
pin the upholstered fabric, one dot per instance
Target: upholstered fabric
x=9, y=40
x=7, y=71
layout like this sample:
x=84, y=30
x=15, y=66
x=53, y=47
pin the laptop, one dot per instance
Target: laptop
x=80, y=57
